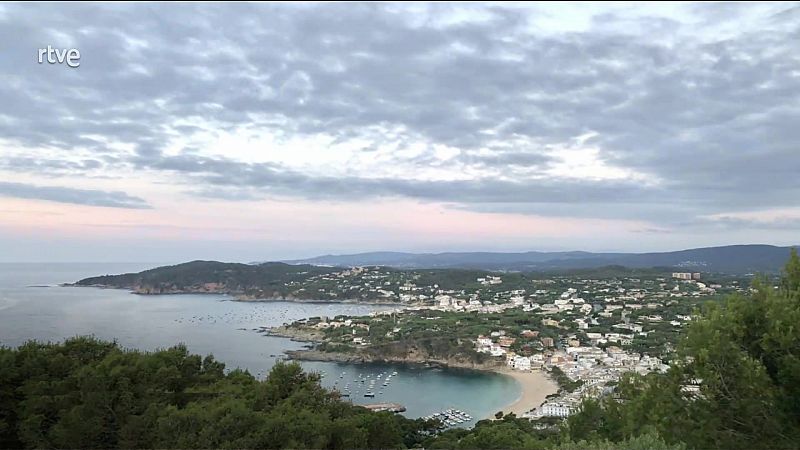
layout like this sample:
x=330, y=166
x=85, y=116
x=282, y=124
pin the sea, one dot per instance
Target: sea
x=35, y=306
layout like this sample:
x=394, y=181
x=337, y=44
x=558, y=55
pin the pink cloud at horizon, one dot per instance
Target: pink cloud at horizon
x=293, y=220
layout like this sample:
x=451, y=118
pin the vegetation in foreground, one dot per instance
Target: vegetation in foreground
x=735, y=384
x=85, y=393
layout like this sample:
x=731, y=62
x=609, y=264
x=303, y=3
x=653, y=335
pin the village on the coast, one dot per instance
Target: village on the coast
x=584, y=332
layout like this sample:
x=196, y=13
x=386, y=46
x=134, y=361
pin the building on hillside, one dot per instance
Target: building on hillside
x=555, y=410
x=506, y=341
x=686, y=275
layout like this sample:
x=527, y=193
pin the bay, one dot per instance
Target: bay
x=33, y=305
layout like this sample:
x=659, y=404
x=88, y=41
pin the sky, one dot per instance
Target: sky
x=266, y=131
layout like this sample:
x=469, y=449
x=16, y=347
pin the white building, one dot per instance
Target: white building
x=496, y=350
x=520, y=363
x=443, y=300
x=555, y=410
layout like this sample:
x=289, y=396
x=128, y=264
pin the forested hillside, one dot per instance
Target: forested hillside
x=731, y=259
x=86, y=393
x=268, y=280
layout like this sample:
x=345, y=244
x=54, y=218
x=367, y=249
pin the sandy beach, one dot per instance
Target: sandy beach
x=536, y=385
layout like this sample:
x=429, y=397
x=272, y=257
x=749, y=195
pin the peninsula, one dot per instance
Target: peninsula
x=244, y=282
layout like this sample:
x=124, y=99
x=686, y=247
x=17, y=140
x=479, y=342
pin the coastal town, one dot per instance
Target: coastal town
x=583, y=332
x=583, y=329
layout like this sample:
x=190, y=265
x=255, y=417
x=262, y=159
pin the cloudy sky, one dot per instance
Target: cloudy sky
x=264, y=131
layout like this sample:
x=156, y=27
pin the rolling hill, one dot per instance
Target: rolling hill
x=737, y=259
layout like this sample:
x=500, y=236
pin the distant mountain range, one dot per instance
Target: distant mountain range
x=735, y=259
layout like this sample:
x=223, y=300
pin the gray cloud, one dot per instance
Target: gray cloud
x=713, y=117
x=237, y=179
x=49, y=166
x=112, y=199
x=651, y=231
x=735, y=223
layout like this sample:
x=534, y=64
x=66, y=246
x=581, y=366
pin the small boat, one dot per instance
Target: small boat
x=369, y=394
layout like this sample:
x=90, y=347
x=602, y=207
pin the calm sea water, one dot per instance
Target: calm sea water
x=34, y=306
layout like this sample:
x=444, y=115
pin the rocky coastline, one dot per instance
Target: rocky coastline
x=295, y=334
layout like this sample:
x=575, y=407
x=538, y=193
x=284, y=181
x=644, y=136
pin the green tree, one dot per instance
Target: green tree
x=86, y=393
x=646, y=441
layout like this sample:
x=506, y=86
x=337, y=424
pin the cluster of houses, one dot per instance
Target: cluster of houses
x=444, y=302
x=608, y=299
x=591, y=365
x=325, y=324
x=371, y=283
x=595, y=368
x=404, y=287
x=497, y=344
x=623, y=309
x=489, y=280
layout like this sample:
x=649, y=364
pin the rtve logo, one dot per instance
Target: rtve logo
x=72, y=57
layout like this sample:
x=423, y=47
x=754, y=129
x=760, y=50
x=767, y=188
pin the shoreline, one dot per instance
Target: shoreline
x=241, y=298
x=311, y=301
x=535, y=385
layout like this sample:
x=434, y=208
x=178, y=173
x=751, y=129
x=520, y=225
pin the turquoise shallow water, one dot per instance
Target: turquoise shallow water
x=33, y=306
